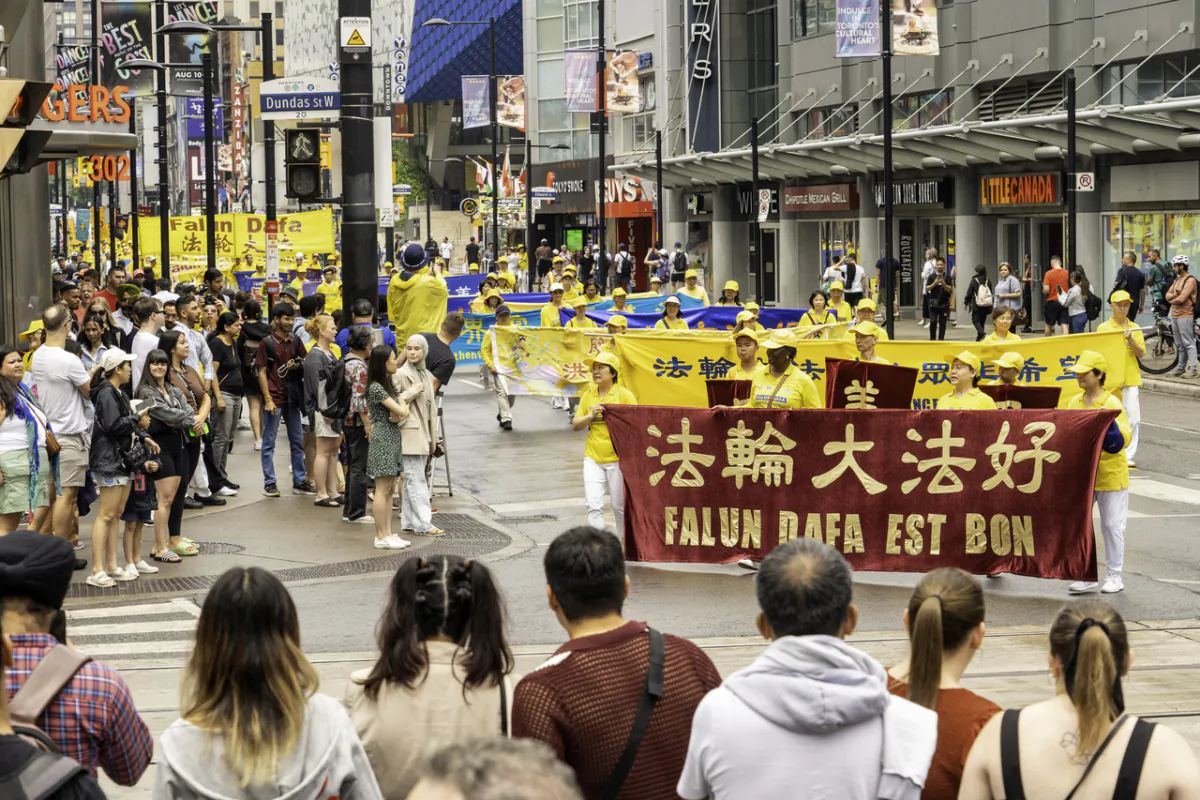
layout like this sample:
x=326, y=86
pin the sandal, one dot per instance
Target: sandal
x=100, y=580
x=185, y=549
x=326, y=502
x=434, y=532
x=167, y=557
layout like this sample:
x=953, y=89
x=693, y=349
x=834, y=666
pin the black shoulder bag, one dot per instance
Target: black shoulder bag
x=651, y=694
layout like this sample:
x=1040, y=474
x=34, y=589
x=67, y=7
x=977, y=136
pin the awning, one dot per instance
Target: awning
x=71, y=141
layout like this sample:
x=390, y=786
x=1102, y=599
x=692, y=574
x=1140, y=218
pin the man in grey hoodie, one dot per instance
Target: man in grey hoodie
x=811, y=717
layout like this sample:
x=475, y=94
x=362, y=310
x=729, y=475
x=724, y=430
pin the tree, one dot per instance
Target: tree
x=410, y=169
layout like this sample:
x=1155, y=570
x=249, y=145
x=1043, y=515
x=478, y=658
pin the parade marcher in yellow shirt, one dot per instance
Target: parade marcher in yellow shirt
x=1010, y=366
x=781, y=384
x=692, y=289
x=964, y=374
x=591, y=292
x=1002, y=332
x=580, y=320
x=504, y=401
x=837, y=304
x=487, y=302
x=671, y=321
x=745, y=343
x=730, y=295
x=655, y=285
x=331, y=288
x=551, y=312
x=865, y=312
x=570, y=288
x=1112, y=473
x=1135, y=348
x=601, y=471
x=866, y=336
x=816, y=316
x=616, y=326
x=508, y=282
x=745, y=322
x=618, y=298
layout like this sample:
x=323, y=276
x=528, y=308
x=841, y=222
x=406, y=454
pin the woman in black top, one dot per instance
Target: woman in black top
x=227, y=361
x=586, y=264
x=254, y=330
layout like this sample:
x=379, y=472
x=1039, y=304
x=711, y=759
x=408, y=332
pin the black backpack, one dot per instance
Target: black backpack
x=1093, y=306
x=338, y=392
x=40, y=778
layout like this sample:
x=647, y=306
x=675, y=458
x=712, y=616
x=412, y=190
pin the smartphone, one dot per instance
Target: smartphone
x=139, y=483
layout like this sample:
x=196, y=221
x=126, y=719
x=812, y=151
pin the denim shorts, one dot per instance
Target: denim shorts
x=107, y=480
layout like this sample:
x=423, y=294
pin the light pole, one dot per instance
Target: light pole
x=529, y=148
x=438, y=22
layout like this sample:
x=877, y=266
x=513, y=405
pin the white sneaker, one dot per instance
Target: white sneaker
x=258, y=445
x=146, y=569
x=225, y=491
x=392, y=542
x=366, y=519
x=119, y=574
x=749, y=564
x=1078, y=587
x=1112, y=585
x=129, y=569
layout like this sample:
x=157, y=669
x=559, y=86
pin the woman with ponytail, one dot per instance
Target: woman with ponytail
x=442, y=676
x=1081, y=743
x=944, y=620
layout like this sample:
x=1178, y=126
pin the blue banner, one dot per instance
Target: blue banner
x=857, y=28
x=464, y=285
x=638, y=305
x=468, y=347
x=714, y=318
x=475, y=102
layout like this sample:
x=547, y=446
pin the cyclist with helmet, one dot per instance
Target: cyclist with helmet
x=1182, y=298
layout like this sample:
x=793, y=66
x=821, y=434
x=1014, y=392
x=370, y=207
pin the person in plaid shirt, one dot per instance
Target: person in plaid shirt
x=357, y=429
x=93, y=720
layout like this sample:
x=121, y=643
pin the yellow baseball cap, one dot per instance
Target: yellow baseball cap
x=779, y=339
x=619, y=292
x=1088, y=361
x=491, y=293
x=33, y=328
x=745, y=316
x=618, y=320
x=1120, y=296
x=653, y=279
x=491, y=276
x=508, y=278
x=866, y=303
x=1010, y=360
x=607, y=357
x=579, y=301
x=868, y=328
x=691, y=273
x=569, y=271
x=837, y=286
x=556, y=259
x=967, y=357
x=752, y=307
x=732, y=285
x=748, y=333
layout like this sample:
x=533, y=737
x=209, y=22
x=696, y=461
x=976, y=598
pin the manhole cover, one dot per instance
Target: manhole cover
x=219, y=548
x=466, y=536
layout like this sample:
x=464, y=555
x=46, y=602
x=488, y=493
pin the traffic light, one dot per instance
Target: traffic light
x=20, y=102
x=302, y=159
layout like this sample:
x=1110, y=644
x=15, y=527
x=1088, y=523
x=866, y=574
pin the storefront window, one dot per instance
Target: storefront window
x=838, y=239
x=1172, y=234
x=698, y=245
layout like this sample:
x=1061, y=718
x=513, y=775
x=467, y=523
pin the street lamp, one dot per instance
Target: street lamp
x=529, y=147
x=438, y=22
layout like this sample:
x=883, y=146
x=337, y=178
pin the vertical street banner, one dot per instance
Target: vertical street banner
x=623, y=90
x=238, y=113
x=189, y=49
x=580, y=66
x=857, y=28
x=914, y=28
x=72, y=66
x=703, y=78
x=475, y=101
x=510, y=101
x=126, y=32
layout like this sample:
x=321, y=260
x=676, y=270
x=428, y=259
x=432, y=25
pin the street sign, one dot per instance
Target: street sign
x=544, y=192
x=764, y=204
x=469, y=207
x=387, y=216
x=1085, y=181
x=271, y=228
x=356, y=34
x=300, y=98
x=401, y=190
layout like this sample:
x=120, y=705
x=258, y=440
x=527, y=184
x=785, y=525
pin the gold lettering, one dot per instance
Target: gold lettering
x=671, y=519
x=935, y=533
x=812, y=527
x=852, y=542
x=976, y=534
x=690, y=533
x=1001, y=535
x=832, y=529
x=1022, y=534
x=915, y=542
x=706, y=537
x=751, y=529
x=789, y=526
x=729, y=527
x=893, y=533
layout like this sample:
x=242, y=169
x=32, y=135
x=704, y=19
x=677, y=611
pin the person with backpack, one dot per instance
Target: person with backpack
x=363, y=314
x=75, y=706
x=326, y=429
x=979, y=300
x=679, y=267
x=1075, y=302
x=357, y=426
x=279, y=363
x=623, y=264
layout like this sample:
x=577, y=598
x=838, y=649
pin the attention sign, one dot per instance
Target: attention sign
x=1021, y=190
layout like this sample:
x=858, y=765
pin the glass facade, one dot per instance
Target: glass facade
x=929, y=108
x=821, y=123
x=562, y=25
x=813, y=17
x=763, y=55
x=838, y=238
x=1159, y=77
x=1171, y=233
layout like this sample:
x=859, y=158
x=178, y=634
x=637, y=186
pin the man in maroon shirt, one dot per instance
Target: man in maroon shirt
x=583, y=701
x=279, y=364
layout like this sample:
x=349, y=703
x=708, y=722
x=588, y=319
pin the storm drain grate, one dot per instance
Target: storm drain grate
x=219, y=548
x=466, y=537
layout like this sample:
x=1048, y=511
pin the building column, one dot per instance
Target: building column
x=674, y=218
x=869, y=247
x=791, y=264
x=725, y=252
x=968, y=228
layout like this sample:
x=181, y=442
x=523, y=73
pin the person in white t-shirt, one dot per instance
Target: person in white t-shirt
x=446, y=249
x=926, y=273
x=148, y=313
x=62, y=386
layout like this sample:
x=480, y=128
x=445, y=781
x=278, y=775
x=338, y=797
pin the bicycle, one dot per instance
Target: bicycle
x=1161, y=356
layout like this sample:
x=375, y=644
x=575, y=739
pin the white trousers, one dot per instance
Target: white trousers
x=1114, y=510
x=504, y=402
x=1133, y=409
x=199, y=484
x=597, y=479
x=416, y=513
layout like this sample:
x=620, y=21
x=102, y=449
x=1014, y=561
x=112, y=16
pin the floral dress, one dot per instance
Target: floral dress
x=383, y=454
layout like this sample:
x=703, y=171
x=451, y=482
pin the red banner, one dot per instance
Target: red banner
x=1023, y=396
x=895, y=491
x=863, y=384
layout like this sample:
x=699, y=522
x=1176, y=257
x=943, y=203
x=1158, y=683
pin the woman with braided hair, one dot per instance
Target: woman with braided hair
x=442, y=676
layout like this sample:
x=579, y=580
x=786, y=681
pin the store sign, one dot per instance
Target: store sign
x=829, y=197
x=936, y=192
x=1021, y=190
x=629, y=197
x=574, y=185
x=704, y=102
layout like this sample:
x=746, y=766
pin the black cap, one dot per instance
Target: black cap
x=35, y=566
x=414, y=257
x=502, y=309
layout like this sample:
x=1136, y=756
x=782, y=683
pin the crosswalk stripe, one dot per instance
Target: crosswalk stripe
x=150, y=609
x=112, y=650
x=1166, y=492
x=131, y=628
x=574, y=501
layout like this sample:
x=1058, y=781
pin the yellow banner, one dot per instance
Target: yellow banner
x=670, y=369
x=547, y=361
x=238, y=236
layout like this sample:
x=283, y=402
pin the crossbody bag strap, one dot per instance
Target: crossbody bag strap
x=504, y=707
x=651, y=694
x=1010, y=756
x=51, y=675
x=1135, y=758
x=771, y=402
x=1096, y=756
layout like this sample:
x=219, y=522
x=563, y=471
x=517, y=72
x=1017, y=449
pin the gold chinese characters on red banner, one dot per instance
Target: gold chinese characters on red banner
x=901, y=491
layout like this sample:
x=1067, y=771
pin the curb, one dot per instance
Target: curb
x=1190, y=389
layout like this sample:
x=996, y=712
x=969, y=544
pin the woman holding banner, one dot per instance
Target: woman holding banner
x=580, y=321
x=692, y=289
x=1002, y=322
x=616, y=325
x=731, y=296
x=745, y=322
x=816, y=316
x=964, y=376
x=671, y=319
x=781, y=384
x=601, y=471
x=618, y=298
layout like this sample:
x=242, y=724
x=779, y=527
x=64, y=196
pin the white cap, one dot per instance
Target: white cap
x=556, y=287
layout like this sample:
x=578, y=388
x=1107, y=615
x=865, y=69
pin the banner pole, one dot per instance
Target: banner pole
x=885, y=36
